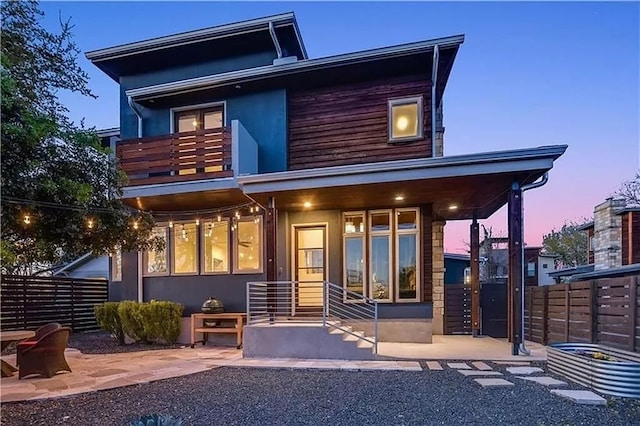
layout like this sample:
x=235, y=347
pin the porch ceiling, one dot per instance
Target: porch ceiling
x=188, y=201
x=482, y=194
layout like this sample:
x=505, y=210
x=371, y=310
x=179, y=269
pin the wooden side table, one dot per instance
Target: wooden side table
x=8, y=337
x=197, y=326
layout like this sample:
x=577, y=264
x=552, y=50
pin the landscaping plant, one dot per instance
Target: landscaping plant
x=109, y=320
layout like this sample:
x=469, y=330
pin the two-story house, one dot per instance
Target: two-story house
x=262, y=164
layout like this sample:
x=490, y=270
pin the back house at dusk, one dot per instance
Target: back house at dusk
x=262, y=165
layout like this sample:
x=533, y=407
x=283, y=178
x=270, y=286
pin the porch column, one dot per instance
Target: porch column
x=271, y=240
x=437, y=241
x=515, y=266
x=475, y=278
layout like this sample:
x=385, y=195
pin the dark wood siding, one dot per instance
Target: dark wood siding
x=630, y=238
x=342, y=125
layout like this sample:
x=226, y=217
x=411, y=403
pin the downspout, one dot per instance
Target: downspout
x=274, y=37
x=434, y=83
x=137, y=112
x=538, y=184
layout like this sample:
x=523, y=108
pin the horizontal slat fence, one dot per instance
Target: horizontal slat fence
x=605, y=311
x=29, y=302
x=457, y=310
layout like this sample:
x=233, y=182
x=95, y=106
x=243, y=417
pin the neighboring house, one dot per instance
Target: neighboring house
x=86, y=266
x=613, y=247
x=261, y=164
x=455, y=266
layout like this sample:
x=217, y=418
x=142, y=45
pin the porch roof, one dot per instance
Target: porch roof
x=459, y=187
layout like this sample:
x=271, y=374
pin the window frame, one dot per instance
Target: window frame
x=172, y=251
x=363, y=238
x=397, y=233
x=261, y=243
x=200, y=109
x=167, y=248
x=389, y=234
x=203, y=248
x=391, y=103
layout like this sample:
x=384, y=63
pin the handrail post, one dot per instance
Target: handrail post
x=248, y=306
x=325, y=289
x=375, y=327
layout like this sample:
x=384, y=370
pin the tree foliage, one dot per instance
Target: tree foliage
x=630, y=191
x=569, y=243
x=53, y=171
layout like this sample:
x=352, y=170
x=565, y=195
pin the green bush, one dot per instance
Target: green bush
x=133, y=320
x=109, y=320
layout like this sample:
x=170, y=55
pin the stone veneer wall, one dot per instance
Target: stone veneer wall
x=607, y=237
x=437, y=240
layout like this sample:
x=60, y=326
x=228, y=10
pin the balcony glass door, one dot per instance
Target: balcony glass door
x=199, y=140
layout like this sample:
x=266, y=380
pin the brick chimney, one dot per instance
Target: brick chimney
x=607, y=234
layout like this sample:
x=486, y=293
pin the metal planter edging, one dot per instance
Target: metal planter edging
x=617, y=378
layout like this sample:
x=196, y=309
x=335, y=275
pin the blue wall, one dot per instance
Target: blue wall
x=263, y=114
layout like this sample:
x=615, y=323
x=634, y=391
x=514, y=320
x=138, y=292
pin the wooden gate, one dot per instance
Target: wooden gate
x=457, y=309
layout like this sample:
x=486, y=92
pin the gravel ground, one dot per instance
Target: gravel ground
x=100, y=342
x=249, y=396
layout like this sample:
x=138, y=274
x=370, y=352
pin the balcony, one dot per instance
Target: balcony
x=189, y=156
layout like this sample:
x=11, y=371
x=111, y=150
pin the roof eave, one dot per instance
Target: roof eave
x=240, y=76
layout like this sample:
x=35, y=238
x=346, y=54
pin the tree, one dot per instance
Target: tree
x=630, y=191
x=60, y=192
x=569, y=243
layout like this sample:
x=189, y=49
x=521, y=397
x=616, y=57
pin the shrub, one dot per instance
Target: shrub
x=109, y=320
x=163, y=320
x=133, y=320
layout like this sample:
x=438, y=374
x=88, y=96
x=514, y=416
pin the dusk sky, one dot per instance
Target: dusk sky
x=527, y=75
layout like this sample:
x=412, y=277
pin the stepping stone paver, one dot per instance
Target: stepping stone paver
x=580, y=396
x=524, y=370
x=545, y=380
x=481, y=366
x=458, y=365
x=479, y=373
x=434, y=365
x=489, y=383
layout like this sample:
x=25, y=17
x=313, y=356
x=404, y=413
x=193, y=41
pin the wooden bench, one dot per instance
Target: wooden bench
x=197, y=326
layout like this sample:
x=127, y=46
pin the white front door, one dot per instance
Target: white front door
x=309, y=260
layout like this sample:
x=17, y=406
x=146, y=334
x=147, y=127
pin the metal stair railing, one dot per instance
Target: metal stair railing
x=270, y=302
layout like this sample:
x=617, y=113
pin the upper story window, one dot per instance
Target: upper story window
x=199, y=119
x=405, y=119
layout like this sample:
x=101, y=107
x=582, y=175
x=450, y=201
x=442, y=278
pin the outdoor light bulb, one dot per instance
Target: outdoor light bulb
x=307, y=204
x=90, y=224
x=453, y=207
x=399, y=198
x=219, y=218
x=27, y=219
x=170, y=224
x=195, y=123
x=135, y=224
x=197, y=222
x=238, y=214
x=402, y=123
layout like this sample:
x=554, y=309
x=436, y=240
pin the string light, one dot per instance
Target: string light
x=219, y=218
x=197, y=222
x=135, y=224
x=184, y=233
x=237, y=214
x=171, y=224
x=210, y=230
x=27, y=219
x=90, y=223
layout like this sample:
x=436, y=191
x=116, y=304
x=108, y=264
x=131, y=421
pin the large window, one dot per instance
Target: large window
x=405, y=119
x=248, y=245
x=155, y=261
x=185, y=248
x=215, y=241
x=208, y=122
x=385, y=244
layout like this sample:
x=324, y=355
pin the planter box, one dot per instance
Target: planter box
x=620, y=377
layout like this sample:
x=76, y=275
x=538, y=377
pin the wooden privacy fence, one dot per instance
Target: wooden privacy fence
x=457, y=309
x=605, y=311
x=28, y=302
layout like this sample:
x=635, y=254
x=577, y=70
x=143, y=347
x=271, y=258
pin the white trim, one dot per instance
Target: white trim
x=172, y=111
x=363, y=238
x=411, y=100
x=417, y=231
x=203, y=228
x=384, y=233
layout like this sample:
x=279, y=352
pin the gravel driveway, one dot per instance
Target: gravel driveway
x=249, y=396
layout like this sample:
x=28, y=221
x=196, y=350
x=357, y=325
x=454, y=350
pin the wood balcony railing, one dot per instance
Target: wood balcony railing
x=202, y=154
